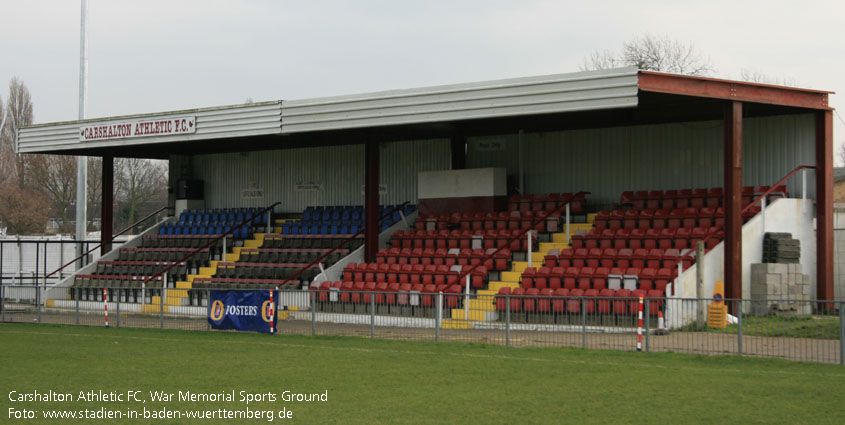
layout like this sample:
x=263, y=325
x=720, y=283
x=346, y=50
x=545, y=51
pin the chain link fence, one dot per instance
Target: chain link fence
x=792, y=329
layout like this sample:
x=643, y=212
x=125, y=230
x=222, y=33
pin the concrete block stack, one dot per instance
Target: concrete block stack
x=781, y=248
x=779, y=288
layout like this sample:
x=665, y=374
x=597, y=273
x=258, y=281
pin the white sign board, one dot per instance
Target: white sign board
x=253, y=193
x=138, y=128
x=489, y=145
x=382, y=189
x=307, y=186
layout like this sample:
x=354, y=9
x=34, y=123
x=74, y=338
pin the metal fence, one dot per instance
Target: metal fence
x=802, y=330
x=27, y=260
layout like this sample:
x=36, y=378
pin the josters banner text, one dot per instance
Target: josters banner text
x=242, y=310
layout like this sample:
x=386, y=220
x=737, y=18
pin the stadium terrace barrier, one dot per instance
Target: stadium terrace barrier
x=795, y=329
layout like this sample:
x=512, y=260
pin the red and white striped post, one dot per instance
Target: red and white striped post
x=106, y=305
x=640, y=326
x=271, y=312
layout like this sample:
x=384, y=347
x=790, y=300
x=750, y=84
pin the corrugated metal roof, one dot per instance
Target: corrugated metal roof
x=253, y=119
x=581, y=91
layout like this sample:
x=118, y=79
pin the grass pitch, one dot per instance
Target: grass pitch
x=378, y=381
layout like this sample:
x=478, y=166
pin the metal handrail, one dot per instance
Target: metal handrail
x=534, y=223
x=131, y=226
x=209, y=244
x=340, y=245
x=716, y=229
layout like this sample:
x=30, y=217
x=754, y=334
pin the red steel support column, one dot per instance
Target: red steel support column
x=733, y=200
x=107, y=208
x=371, y=207
x=824, y=205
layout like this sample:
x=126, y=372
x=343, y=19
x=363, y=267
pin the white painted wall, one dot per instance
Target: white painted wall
x=794, y=216
x=463, y=183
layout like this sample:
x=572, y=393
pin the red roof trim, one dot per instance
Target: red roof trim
x=732, y=90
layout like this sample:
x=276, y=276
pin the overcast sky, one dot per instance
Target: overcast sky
x=148, y=56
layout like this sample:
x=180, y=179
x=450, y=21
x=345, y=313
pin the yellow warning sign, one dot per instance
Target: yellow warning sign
x=717, y=311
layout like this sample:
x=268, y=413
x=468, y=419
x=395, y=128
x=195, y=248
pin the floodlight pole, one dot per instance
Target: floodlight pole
x=81, y=161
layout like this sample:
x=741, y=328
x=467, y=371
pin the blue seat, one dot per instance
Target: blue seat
x=324, y=229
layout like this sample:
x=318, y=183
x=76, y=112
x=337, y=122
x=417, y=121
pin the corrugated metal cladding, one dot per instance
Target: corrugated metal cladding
x=609, y=161
x=339, y=169
x=229, y=121
x=581, y=91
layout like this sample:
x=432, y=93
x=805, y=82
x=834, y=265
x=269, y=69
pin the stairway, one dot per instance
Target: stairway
x=483, y=307
x=179, y=296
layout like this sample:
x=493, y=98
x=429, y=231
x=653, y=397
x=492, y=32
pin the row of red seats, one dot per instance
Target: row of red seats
x=563, y=300
x=461, y=239
x=490, y=221
x=413, y=274
x=695, y=198
x=681, y=238
x=389, y=293
x=664, y=218
x=462, y=257
x=612, y=257
x=547, y=202
x=596, y=278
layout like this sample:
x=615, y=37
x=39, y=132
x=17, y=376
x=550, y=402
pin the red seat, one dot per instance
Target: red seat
x=647, y=277
x=615, y=219
x=630, y=219
x=516, y=300
x=620, y=240
x=592, y=239
x=565, y=257
x=682, y=237
x=345, y=291
x=585, y=278
x=667, y=237
x=638, y=259
x=620, y=305
x=714, y=197
x=651, y=237
x=623, y=258
x=356, y=291
x=654, y=198
x=559, y=303
x=570, y=277
x=501, y=300
x=699, y=197
x=579, y=257
x=392, y=289
x=544, y=302
x=606, y=238
x=550, y=259
x=573, y=303
x=380, y=289
x=683, y=198
x=601, y=219
x=529, y=303
x=528, y=277
x=593, y=257
x=556, y=278
x=655, y=301
x=644, y=219
x=668, y=201
x=427, y=297
x=639, y=199
x=590, y=296
x=635, y=239
x=600, y=278
x=663, y=278
x=608, y=257
x=393, y=273
x=349, y=271
x=655, y=256
x=603, y=304
x=541, y=278
x=669, y=258
x=659, y=219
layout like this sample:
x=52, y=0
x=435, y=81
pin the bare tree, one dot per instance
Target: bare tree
x=19, y=105
x=22, y=211
x=6, y=153
x=757, y=76
x=654, y=53
x=95, y=185
x=140, y=187
x=55, y=176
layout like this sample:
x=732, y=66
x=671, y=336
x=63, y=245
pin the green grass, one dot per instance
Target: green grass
x=389, y=382
x=793, y=326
